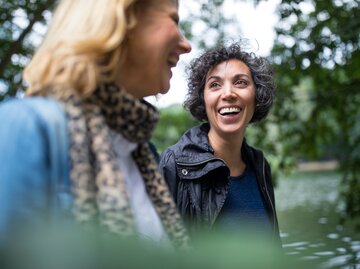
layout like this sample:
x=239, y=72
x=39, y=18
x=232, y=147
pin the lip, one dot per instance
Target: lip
x=229, y=119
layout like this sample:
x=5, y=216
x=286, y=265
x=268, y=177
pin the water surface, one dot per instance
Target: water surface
x=309, y=208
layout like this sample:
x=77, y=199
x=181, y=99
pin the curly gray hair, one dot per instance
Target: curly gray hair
x=260, y=68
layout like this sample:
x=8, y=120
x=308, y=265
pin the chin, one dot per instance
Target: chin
x=165, y=88
x=233, y=130
x=163, y=91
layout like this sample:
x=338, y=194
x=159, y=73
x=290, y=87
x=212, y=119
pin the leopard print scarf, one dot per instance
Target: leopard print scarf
x=97, y=181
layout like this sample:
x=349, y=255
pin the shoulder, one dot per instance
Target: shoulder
x=31, y=107
x=20, y=117
x=194, y=140
x=33, y=136
x=28, y=127
x=167, y=156
x=26, y=113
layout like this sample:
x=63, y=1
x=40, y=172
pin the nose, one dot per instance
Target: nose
x=185, y=46
x=228, y=92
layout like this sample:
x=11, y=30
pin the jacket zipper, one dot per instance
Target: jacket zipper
x=268, y=195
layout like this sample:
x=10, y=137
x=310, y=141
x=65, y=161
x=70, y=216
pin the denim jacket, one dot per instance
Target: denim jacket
x=34, y=162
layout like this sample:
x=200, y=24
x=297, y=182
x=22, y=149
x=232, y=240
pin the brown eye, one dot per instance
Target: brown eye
x=214, y=85
x=241, y=83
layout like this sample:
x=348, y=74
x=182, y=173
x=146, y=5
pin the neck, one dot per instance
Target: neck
x=228, y=149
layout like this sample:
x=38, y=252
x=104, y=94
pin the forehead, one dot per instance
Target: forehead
x=230, y=66
x=158, y=3
x=173, y=2
x=150, y=9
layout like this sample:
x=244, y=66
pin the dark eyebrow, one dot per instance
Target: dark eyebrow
x=241, y=75
x=213, y=77
x=237, y=76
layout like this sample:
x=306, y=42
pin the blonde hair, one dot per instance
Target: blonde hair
x=82, y=47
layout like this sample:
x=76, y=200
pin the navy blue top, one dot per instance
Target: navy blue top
x=243, y=207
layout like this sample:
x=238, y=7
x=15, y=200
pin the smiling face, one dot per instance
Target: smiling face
x=153, y=48
x=229, y=97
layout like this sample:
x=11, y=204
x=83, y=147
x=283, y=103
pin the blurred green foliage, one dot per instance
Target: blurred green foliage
x=18, y=20
x=207, y=16
x=73, y=248
x=317, y=60
x=174, y=121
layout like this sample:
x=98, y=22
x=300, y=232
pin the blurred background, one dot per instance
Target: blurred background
x=312, y=135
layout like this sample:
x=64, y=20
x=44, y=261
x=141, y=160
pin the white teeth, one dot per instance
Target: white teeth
x=226, y=110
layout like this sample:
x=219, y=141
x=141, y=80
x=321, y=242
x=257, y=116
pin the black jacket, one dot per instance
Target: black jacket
x=199, y=181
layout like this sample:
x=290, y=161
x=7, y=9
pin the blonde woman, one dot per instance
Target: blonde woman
x=78, y=143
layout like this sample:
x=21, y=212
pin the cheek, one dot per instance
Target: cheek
x=250, y=97
x=249, y=101
x=252, y=104
x=252, y=100
x=207, y=103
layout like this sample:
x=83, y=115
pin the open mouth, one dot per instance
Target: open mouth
x=226, y=111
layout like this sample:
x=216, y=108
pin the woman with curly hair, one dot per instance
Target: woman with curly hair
x=218, y=181
x=77, y=146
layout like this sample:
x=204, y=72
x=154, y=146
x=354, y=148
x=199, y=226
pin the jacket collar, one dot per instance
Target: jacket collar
x=196, y=140
x=252, y=157
x=194, y=147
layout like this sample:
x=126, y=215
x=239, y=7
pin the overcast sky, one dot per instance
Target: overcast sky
x=256, y=23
